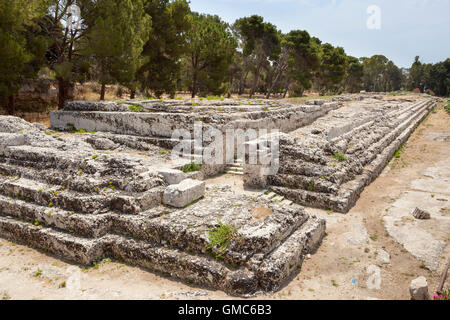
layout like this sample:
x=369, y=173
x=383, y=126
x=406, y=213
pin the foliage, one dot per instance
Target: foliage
x=210, y=51
x=20, y=47
x=339, y=156
x=220, y=237
x=192, y=167
x=166, y=45
x=332, y=68
x=116, y=39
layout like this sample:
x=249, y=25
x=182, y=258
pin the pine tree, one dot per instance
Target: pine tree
x=116, y=40
x=164, y=50
x=210, y=51
x=15, y=50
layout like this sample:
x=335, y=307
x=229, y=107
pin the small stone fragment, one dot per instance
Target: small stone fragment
x=383, y=257
x=421, y=214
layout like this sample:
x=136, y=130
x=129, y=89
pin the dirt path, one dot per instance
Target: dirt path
x=346, y=265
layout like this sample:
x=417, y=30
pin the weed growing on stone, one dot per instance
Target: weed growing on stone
x=398, y=152
x=192, y=167
x=135, y=108
x=220, y=237
x=447, y=107
x=339, y=156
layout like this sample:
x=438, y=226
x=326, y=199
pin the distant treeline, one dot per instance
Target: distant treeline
x=161, y=47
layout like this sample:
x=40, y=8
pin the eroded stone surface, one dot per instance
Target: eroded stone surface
x=64, y=193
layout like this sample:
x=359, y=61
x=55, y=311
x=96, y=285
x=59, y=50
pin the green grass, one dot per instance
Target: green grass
x=339, y=156
x=447, y=107
x=135, y=108
x=398, y=152
x=220, y=237
x=192, y=167
x=312, y=186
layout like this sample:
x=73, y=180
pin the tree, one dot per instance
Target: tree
x=332, y=67
x=18, y=51
x=374, y=68
x=210, y=51
x=259, y=39
x=116, y=40
x=354, y=74
x=302, y=58
x=166, y=45
x=416, y=74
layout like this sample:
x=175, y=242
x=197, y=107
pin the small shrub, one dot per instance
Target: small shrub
x=135, y=108
x=192, y=167
x=398, y=152
x=447, y=107
x=312, y=186
x=220, y=237
x=339, y=156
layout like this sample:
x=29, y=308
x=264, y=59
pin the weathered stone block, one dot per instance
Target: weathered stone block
x=172, y=176
x=180, y=195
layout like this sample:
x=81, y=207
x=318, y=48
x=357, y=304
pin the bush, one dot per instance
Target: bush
x=220, y=237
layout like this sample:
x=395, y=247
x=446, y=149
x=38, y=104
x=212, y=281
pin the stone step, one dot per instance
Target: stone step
x=350, y=190
x=199, y=269
x=76, y=249
x=83, y=225
x=238, y=173
x=59, y=197
x=278, y=266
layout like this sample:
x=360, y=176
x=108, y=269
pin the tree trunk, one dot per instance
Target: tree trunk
x=61, y=93
x=286, y=90
x=274, y=84
x=194, y=84
x=133, y=94
x=242, y=83
x=255, y=81
x=102, y=92
x=11, y=105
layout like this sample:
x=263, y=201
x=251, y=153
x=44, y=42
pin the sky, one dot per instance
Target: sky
x=398, y=29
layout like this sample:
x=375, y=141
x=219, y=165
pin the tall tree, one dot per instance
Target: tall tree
x=261, y=40
x=416, y=74
x=18, y=48
x=332, y=68
x=302, y=59
x=116, y=40
x=166, y=45
x=354, y=74
x=374, y=68
x=211, y=47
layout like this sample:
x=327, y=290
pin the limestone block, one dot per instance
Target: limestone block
x=172, y=176
x=180, y=195
x=419, y=289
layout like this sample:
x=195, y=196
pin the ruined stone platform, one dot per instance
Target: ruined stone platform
x=158, y=119
x=328, y=163
x=88, y=196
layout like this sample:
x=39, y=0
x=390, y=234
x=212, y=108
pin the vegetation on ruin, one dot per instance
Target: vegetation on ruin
x=192, y=167
x=219, y=238
x=447, y=107
x=339, y=156
x=135, y=108
x=398, y=152
x=157, y=47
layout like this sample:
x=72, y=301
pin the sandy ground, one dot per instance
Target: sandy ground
x=346, y=266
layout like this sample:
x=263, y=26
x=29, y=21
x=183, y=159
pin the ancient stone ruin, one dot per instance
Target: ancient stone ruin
x=103, y=183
